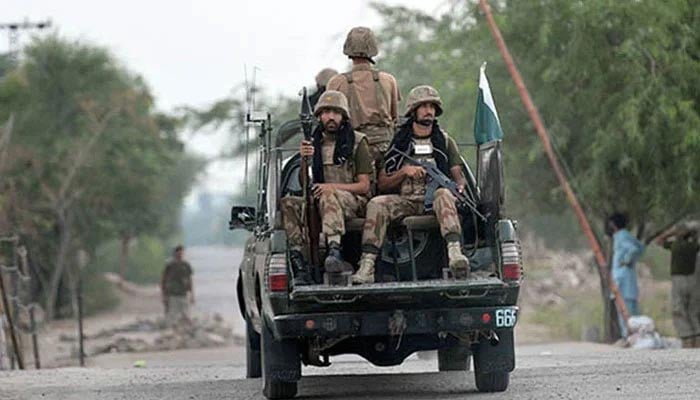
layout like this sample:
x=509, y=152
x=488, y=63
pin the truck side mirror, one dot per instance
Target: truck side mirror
x=242, y=217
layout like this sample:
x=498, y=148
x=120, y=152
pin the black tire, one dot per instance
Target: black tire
x=454, y=359
x=493, y=361
x=239, y=295
x=492, y=381
x=279, y=390
x=281, y=366
x=252, y=351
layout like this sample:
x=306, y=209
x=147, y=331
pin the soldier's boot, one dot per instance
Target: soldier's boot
x=299, y=268
x=334, y=261
x=365, y=274
x=458, y=262
x=688, y=342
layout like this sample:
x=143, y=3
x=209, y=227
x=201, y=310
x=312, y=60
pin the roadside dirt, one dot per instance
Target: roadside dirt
x=215, y=272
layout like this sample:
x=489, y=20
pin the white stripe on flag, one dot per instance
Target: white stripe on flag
x=486, y=90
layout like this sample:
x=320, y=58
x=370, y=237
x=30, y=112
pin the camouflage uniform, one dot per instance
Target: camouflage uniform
x=335, y=206
x=372, y=95
x=382, y=210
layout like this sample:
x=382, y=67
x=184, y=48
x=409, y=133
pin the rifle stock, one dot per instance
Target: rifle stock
x=312, y=219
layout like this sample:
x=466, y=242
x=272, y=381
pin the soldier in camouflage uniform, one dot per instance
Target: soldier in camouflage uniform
x=421, y=137
x=176, y=286
x=322, y=79
x=373, y=95
x=341, y=166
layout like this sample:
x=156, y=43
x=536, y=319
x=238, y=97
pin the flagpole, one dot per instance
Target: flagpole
x=544, y=137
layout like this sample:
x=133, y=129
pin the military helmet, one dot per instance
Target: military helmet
x=423, y=94
x=361, y=42
x=333, y=99
x=324, y=76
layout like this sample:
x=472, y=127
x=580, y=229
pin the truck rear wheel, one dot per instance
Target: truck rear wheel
x=493, y=360
x=491, y=381
x=252, y=351
x=454, y=359
x=281, y=366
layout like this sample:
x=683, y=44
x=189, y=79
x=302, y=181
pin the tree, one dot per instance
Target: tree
x=89, y=156
x=615, y=83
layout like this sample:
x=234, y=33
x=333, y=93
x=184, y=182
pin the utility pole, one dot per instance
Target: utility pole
x=15, y=28
x=601, y=261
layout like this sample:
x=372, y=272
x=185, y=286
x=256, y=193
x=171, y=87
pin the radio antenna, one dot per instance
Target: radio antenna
x=247, y=130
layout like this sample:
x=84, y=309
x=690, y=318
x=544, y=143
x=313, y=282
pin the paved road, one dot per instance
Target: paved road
x=557, y=371
x=215, y=274
x=552, y=371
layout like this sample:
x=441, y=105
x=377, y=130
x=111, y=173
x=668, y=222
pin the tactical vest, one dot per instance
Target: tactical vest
x=423, y=151
x=344, y=173
x=376, y=131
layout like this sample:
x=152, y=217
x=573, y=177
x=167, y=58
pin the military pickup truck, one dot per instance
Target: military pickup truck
x=415, y=305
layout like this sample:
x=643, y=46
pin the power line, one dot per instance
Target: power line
x=15, y=28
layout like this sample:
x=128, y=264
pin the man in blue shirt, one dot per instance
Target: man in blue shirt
x=626, y=252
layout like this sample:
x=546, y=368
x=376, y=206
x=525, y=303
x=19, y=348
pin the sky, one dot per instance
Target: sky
x=195, y=52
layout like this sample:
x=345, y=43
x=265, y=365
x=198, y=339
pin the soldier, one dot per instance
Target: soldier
x=341, y=167
x=176, y=285
x=322, y=79
x=373, y=95
x=685, y=297
x=421, y=137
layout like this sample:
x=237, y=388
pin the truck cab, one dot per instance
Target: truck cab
x=414, y=304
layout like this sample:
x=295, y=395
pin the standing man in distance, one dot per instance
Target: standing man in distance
x=420, y=137
x=176, y=288
x=626, y=252
x=341, y=166
x=373, y=95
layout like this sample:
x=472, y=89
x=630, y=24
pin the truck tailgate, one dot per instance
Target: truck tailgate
x=472, y=292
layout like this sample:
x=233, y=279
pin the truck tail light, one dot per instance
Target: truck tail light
x=278, y=282
x=511, y=272
x=277, y=275
x=511, y=260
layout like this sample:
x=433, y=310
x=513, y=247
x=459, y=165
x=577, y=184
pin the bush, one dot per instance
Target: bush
x=147, y=257
x=659, y=261
x=567, y=321
x=98, y=294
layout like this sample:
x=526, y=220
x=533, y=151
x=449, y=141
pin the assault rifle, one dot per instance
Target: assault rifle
x=312, y=219
x=437, y=179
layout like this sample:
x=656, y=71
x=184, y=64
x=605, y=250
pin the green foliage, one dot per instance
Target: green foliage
x=98, y=294
x=568, y=320
x=659, y=261
x=90, y=160
x=147, y=257
x=616, y=84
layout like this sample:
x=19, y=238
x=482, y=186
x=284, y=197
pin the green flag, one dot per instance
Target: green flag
x=487, y=126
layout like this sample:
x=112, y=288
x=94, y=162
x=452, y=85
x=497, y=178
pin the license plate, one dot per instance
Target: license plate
x=506, y=318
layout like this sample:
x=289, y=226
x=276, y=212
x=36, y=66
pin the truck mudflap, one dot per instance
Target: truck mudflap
x=495, y=355
x=412, y=321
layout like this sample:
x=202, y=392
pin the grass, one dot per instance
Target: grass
x=585, y=309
